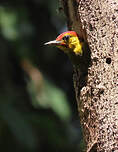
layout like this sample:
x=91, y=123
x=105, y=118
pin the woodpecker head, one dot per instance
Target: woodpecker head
x=68, y=42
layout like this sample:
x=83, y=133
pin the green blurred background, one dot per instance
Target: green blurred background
x=38, y=110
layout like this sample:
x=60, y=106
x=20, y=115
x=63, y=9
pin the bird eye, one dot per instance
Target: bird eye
x=66, y=38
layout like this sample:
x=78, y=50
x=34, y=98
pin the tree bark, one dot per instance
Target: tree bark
x=97, y=22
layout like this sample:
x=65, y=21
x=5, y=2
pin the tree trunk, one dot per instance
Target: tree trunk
x=97, y=22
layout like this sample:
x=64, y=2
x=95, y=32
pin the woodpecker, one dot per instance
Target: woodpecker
x=79, y=53
x=69, y=43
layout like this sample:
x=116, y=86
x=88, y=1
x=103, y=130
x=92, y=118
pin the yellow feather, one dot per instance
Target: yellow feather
x=74, y=45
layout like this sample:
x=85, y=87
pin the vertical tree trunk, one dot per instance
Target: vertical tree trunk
x=98, y=98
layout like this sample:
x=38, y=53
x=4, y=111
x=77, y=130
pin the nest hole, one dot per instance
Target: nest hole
x=108, y=60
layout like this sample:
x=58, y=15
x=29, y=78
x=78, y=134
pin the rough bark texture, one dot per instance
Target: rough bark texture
x=98, y=97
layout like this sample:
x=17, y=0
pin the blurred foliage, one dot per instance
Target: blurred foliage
x=38, y=111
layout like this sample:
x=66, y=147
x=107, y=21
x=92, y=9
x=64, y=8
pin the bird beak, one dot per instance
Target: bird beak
x=54, y=42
